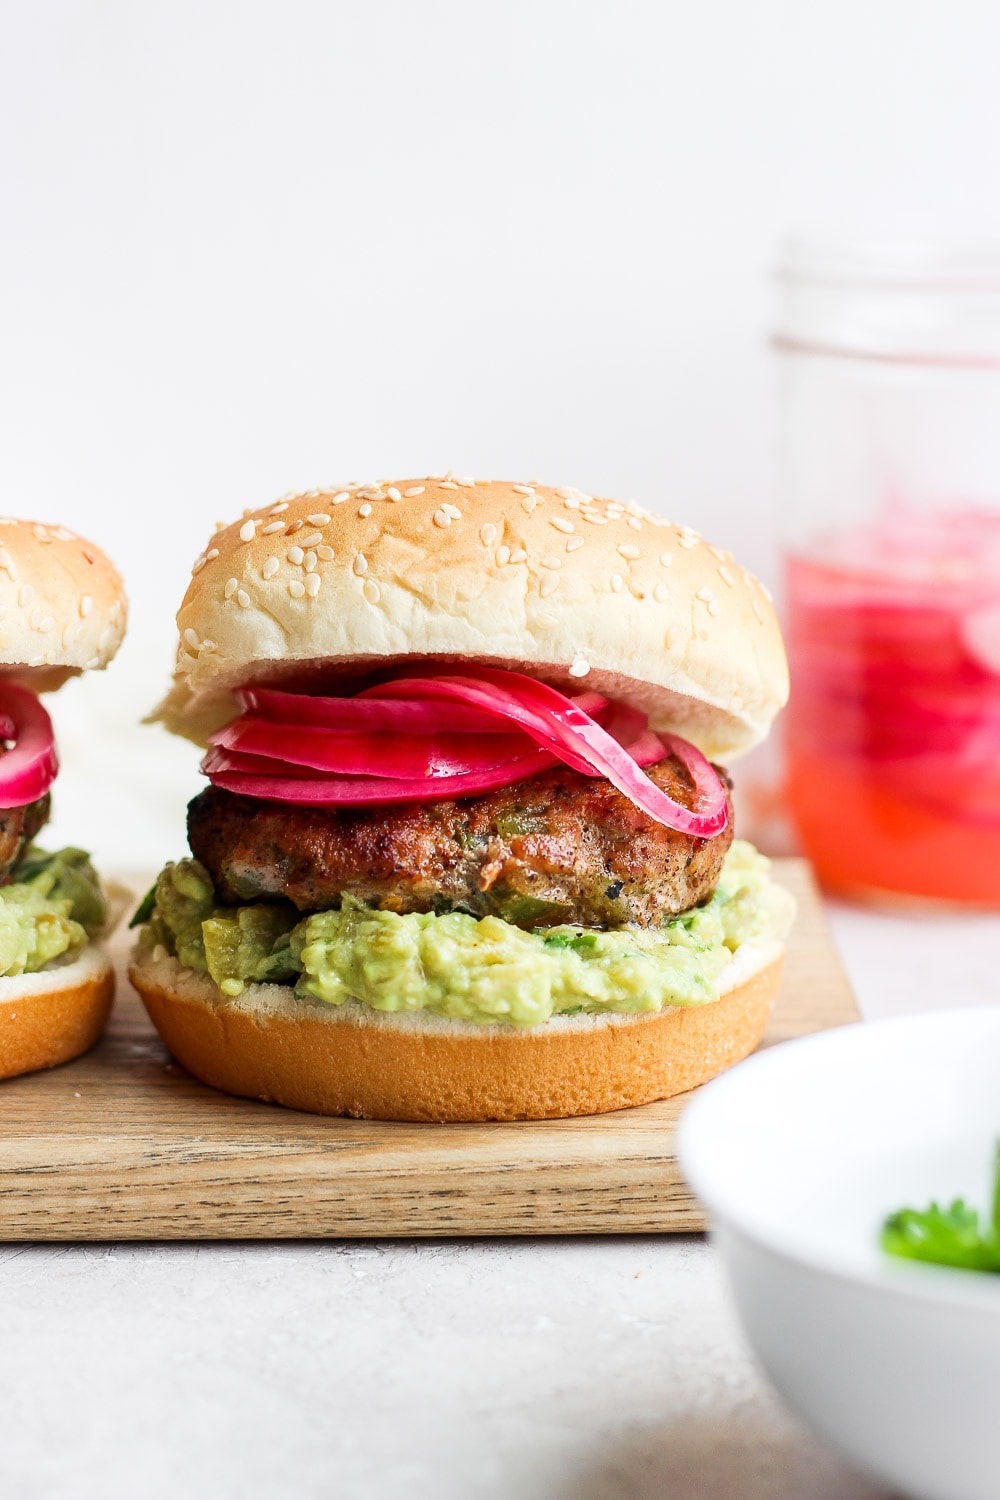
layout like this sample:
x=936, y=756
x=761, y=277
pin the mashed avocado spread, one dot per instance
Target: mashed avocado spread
x=51, y=907
x=469, y=969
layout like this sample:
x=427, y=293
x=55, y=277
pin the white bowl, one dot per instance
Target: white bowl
x=799, y=1154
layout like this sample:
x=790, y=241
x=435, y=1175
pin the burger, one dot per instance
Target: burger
x=62, y=612
x=464, y=853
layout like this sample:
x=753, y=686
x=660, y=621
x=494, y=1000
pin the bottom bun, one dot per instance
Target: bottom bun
x=54, y=1015
x=379, y=1065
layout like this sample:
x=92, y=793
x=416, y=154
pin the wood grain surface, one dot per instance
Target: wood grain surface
x=123, y=1145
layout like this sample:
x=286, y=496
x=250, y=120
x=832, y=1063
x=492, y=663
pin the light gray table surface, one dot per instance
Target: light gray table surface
x=601, y=1369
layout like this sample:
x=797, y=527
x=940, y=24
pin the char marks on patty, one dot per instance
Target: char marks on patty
x=559, y=847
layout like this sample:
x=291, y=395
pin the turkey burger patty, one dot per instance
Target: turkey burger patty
x=557, y=848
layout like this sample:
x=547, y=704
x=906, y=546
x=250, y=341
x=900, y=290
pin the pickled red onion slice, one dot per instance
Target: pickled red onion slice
x=405, y=757
x=29, y=767
x=277, y=781
x=366, y=713
x=555, y=722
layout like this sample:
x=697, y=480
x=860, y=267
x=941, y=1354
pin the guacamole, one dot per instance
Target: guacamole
x=51, y=908
x=470, y=969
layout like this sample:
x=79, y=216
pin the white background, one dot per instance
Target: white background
x=247, y=247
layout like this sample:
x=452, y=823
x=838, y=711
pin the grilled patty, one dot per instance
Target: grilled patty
x=18, y=826
x=560, y=847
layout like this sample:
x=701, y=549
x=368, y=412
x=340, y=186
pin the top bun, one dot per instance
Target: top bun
x=578, y=591
x=62, y=604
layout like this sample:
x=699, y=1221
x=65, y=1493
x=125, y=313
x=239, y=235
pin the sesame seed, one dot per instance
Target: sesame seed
x=635, y=523
x=727, y=577
x=198, y=564
x=311, y=539
x=319, y=519
x=370, y=492
x=272, y=528
x=629, y=550
x=441, y=517
x=393, y=493
x=63, y=534
x=46, y=624
x=191, y=636
x=580, y=667
x=313, y=583
x=243, y=599
x=295, y=556
x=361, y=565
x=561, y=524
x=594, y=518
x=293, y=527
x=366, y=509
x=548, y=585
x=159, y=953
x=766, y=592
x=231, y=586
x=488, y=534
x=523, y=489
x=755, y=606
x=551, y=562
x=530, y=503
x=452, y=511
x=276, y=510
x=25, y=594
x=211, y=554
x=666, y=558
x=467, y=484
x=705, y=595
x=415, y=489
x=208, y=645
x=617, y=582
x=688, y=541
x=247, y=531
x=518, y=555
x=574, y=543
x=324, y=553
x=503, y=556
x=340, y=497
x=271, y=567
x=571, y=502
x=447, y=484
x=86, y=605
x=371, y=591
x=309, y=562
x=660, y=592
x=717, y=553
x=40, y=533
x=296, y=588
x=714, y=607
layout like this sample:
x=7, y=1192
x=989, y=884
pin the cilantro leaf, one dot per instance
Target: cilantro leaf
x=948, y=1235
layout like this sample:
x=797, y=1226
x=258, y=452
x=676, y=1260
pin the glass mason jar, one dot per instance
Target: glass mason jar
x=889, y=476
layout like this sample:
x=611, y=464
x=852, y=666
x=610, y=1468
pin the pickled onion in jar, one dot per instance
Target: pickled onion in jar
x=893, y=729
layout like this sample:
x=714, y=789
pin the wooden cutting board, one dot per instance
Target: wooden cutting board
x=122, y=1145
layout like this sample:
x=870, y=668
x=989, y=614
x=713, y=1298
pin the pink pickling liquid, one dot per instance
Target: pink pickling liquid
x=893, y=729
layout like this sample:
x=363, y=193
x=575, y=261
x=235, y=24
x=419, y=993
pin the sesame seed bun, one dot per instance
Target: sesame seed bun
x=353, y=1060
x=55, y=1015
x=576, y=590
x=62, y=604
